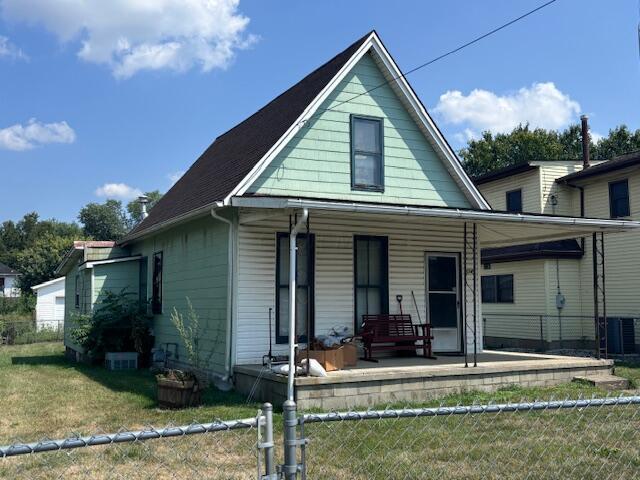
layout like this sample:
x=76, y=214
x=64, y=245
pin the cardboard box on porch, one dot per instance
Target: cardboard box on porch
x=350, y=354
x=330, y=360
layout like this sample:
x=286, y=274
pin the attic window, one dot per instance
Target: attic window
x=514, y=201
x=619, y=199
x=367, y=162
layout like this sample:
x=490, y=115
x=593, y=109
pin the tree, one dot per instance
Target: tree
x=619, y=141
x=15, y=237
x=38, y=262
x=106, y=221
x=523, y=144
x=135, y=209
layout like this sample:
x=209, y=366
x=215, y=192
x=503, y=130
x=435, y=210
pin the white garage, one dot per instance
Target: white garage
x=50, y=304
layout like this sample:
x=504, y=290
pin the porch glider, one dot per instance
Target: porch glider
x=394, y=332
x=495, y=228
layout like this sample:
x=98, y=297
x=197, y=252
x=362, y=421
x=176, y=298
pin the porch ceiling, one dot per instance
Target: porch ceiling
x=495, y=228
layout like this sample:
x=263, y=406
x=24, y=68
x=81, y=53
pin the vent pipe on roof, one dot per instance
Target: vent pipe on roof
x=585, y=141
x=143, y=200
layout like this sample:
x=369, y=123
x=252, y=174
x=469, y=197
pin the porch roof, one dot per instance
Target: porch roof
x=495, y=228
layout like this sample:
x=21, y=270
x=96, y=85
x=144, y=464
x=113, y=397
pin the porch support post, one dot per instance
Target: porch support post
x=599, y=294
x=464, y=296
x=475, y=295
x=293, y=235
x=470, y=288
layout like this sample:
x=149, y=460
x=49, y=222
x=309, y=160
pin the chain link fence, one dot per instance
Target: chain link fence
x=596, y=438
x=21, y=329
x=571, y=439
x=221, y=449
x=559, y=334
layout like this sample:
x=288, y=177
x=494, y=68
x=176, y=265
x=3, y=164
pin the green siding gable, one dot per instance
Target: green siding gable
x=317, y=161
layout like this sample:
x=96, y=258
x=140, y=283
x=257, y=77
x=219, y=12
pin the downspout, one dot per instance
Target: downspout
x=292, y=300
x=230, y=280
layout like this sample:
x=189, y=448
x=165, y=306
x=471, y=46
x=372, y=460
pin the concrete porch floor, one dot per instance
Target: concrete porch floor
x=415, y=379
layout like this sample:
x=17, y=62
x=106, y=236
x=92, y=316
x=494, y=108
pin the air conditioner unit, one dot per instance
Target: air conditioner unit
x=121, y=360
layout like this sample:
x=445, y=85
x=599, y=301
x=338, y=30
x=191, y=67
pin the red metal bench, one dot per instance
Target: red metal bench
x=394, y=332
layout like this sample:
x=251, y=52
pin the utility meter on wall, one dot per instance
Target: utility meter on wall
x=560, y=301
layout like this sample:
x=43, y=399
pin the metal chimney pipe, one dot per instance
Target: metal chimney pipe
x=585, y=141
x=143, y=200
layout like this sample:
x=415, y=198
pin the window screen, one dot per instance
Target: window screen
x=619, y=199
x=514, y=201
x=366, y=153
x=156, y=296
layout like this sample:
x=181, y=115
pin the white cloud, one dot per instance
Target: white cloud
x=175, y=176
x=134, y=35
x=541, y=105
x=119, y=191
x=20, y=137
x=9, y=50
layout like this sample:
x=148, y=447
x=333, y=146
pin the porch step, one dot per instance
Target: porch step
x=604, y=381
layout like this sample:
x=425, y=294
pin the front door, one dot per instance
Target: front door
x=443, y=300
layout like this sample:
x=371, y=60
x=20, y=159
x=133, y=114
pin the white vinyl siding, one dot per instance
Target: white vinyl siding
x=529, y=182
x=334, y=288
x=50, y=305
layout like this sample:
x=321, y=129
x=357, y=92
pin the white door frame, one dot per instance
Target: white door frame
x=453, y=336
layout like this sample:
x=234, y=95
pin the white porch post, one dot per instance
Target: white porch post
x=293, y=235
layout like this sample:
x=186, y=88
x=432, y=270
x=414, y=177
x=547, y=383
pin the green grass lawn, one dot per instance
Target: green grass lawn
x=44, y=395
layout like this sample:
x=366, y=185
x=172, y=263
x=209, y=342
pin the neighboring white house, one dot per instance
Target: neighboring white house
x=50, y=304
x=8, y=281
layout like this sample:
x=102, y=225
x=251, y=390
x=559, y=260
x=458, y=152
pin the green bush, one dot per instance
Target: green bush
x=22, y=305
x=119, y=323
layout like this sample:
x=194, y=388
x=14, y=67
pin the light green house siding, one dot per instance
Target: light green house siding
x=70, y=310
x=317, y=161
x=195, y=267
x=116, y=278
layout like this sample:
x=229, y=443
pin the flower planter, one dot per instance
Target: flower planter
x=177, y=393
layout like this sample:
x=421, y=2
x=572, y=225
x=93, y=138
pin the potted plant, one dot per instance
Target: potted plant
x=178, y=388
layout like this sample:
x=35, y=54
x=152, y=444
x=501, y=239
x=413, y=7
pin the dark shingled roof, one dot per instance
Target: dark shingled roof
x=556, y=249
x=616, y=163
x=233, y=154
x=504, y=172
x=7, y=270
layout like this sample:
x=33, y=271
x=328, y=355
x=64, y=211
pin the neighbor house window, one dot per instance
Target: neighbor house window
x=497, y=289
x=619, y=199
x=1, y=285
x=156, y=295
x=370, y=277
x=367, y=163
x=514, y=201
x=304, y=286
x=77, y=292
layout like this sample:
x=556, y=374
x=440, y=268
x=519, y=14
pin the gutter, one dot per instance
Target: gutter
x=230, y=280
x=477, y=215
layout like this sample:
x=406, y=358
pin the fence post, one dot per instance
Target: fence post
x=267, y=444
x=290, y=467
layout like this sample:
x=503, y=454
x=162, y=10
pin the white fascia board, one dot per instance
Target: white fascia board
x=282, y=142
x=437, y=212
x=454, y=166
x=112, y=260
x=46, y=284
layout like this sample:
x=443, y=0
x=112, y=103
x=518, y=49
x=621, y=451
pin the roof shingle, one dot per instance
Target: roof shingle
x=233, y=154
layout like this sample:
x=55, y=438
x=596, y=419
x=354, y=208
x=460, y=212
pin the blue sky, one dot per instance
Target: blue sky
x=105, y=94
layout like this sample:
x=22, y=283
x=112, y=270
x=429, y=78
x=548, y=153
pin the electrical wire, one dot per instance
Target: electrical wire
x=440, y=57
